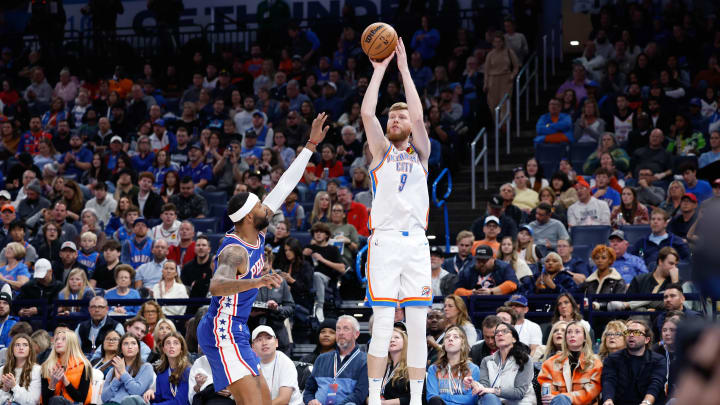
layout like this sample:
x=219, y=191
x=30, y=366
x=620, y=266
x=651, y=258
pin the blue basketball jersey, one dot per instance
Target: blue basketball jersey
x=140, y=255
x=239, y=305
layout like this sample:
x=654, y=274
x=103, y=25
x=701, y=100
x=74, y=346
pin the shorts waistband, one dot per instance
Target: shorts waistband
x=396, y=232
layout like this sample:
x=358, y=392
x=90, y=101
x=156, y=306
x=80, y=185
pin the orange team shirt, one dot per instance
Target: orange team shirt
x=494, y=244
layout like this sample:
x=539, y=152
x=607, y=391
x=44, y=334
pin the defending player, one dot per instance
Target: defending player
x=398, y=258
x=222, y=333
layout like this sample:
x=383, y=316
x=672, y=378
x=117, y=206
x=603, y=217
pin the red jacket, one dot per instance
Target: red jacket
x=175, y=251
x=357, y=216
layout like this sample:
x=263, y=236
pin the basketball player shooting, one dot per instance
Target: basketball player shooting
x=398, y=256
x=222, y=333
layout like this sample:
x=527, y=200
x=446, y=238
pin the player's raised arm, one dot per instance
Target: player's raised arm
x=224, y=282
x=289, y=180
x=374, y=131
x=420, y=139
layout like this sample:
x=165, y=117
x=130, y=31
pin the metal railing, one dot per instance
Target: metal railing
x=506, y=119
x=528, y=72
x=442, y=203
x=475, y=159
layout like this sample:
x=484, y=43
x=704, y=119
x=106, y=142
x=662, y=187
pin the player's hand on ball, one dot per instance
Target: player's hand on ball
x=401, y=56
x=383, y=64
x=317, y=132
x=271, y=281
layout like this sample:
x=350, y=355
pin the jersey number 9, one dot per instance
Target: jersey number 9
x=403, y=179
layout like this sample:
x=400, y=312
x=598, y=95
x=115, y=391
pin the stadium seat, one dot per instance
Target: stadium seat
x=548, y=156
x=204, y=225
x=217, y=211
x=153, y=221
x=583, y=252
x=685, y=270
x=579, y=154
x=215, y=197
x=634, y=233
x=302, y=237
x=590, y=235
x=215, y=239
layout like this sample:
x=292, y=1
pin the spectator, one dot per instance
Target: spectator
x=491, y=231
x=554, y=126
x=653, y=156
x=147, y=200
x=529, y=332
x=41, y=287
x=505, y=213
x=589, y=127
x=545, y=229
x=613, y=339
x=437, y=273
x=605, y=279
x=137, y=326
x=700, y=188
x=647, y=193
x=525, y=198
x=103, y=204
x=131, y=376
x=680, y=224
x=76, y=288
x=676, y=191
x=283, y=385
x=189, y=204
x=616, y=155
x=485, y=347
x=184, y=251
x=621, y=121
x=30, y=140
x=169, y=229
x=7, y=320
x=109, y=349
x=630, y=211
x=602, y=190
x=151, y=272
x=456, y=314
x=567, y=309
x=137, y=249
x=501, y=66
x=173, y=373
x=713, y=155
x=664, y=274
x=683, y=139
x=527, y=249
x=66, y=364
x=325, y=341
x=153, y=314
x=293, y=211
x=667, y=347
x=124, y=275
x=534, y=173
x=351, y=376
x=464, y=241
x=554, y=279
x=629, y=266
x=576, y=83
x=572, y=264
x=425, y=40
x=421, y=74
x=330, y=101
x=33, y=201
x=356, y=214
x=15, y=273
x=103, y=277
x=298, y=274
x=161, y=138
x=588, y=210
x=199, y=172
x=509, y=253
x=634, y=374
x=554, y=345
x=444, y=378
x=39, y=90
x=674, y=302
x=435, y=327
x=515, y=40
x=22, y=371
x=321, y=208
x=577, y=355
x=170, y=287
x=327, y=262
x=648, y=247
x=163, y=328
x=486, y=276
x=197, y=273
x=93, y=330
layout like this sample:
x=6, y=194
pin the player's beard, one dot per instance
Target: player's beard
x=261, y=223
x=398, y=137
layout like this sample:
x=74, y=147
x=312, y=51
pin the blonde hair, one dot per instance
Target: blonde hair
x=73, y=352
x=177, y=271
x=65, y=292
x=17, y=249
x=316, y=211
x=612, y=326
x=464, y=234
x=89, y=235
x=398, y=106
x=157, y=327
x=586, y=352
x=401, y=369
x=550, y=349
x=42, y=339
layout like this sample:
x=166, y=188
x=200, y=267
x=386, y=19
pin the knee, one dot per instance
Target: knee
x=489, y=399
x=436, y=401
x=561, y=400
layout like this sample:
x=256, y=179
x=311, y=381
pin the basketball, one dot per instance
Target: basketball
x=379, y=40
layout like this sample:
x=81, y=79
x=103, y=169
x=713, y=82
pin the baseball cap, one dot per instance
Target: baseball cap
x=617, y=234
x=296, y=57
x=68, y=245
x=42, y=266
x=262, y=329
x=115, y=139
x=5, y=297
x=251, y=133
x=690, y=196
x=436, y=251
x=400, y=325
x=695, y=102
x=255, y=173
x=140, y=219
x=492, y=218
x=517, y=299
x=496, y=201
x=160, y=122
x=196, y=145
x=483, y=252
x=35, y=186
x=331, y=84
x=5, y=194
x=258, y=114
x=581, y=182
x=7, y=207
x=526, y=227
x=591, y=83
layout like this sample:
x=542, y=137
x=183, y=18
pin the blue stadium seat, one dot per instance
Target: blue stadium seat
x=153, y=221
x=217, y=211
x=591, y=235
x=583, y=252
x=548, y=156
x=215, y=197
x=215, y=239
x=579, y=154
x=204, y=225
x=302, y=237
x=634, y=233
x=685, y=270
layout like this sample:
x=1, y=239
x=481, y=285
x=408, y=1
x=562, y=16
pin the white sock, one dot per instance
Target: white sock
x=375, y=385
x=416, y=390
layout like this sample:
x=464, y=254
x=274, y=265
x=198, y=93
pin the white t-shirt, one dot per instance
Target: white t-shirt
x=530, y=332
x=595, y=212
x=281, y=372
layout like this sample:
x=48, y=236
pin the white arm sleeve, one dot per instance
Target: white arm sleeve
x=288, y=181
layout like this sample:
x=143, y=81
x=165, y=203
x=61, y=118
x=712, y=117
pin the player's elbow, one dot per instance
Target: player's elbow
x=214, y=288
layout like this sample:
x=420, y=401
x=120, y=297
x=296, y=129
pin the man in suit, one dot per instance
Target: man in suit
x=149, y=201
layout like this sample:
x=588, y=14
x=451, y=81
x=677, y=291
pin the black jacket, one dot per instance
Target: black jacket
x=624, y=388
x=479, y=351
x=153, y=205
x=33, y=290
x=84, y=333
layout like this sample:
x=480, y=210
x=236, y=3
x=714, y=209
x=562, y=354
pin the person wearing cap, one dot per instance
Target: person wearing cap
x=491, y=229
x=680, y=224
x=278, y=370
x=17, y=234
x=33, y=201
x=496, y=208
x=7, y=215
x=264, y=133
x=249, y=145
x=649, y=247
x=546, y=230
x=486, y=276
x=529, y=331
x=6, y=320
x=196, y=168
x=588, y=210
x=68, y=261
x=161, y=138
x=330, y=102
x=438, y=273
x=628, y=265
x=42, y=286
x=138, y=249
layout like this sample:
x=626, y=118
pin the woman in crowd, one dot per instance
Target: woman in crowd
x=554, y=343
x=360, y=180
x=321, y=208
x=169, y=287
x=330, y=162
x=66, y=374
x=505, y=376
x=559, y=212
x=554, y=279
x=565, y=194
x=110, y=348
x=163, y=328
x=298, y=274
x=525, y=198
x=607, y=144
x=46, y=153
x=280, y=146
x=585, y=370
x=173, y=373
x=117, y=217
x=353, y=119
x=56, y=191
x=170, y=185
x=604, y=280
x=534, y=172
x=21, y=375
x=161, y=166
x=49, y=244
x=396, y=382
x=508, y=253
x=73, y=199
x=526, y=247
x=90, y=223
x=342, y=231
x=568, y=310
x=501, y=66
x=676, y=190
x=445, y=378
x=325, y=341
x=54, y=115
x=152, y=313
x=630, y=211
x=569, y=103
x=130, y=377
x=124, y=275
x=589, y=127
x=15, y=272
x=98, y=172
x=456, y=314
x=77, y=288
x=668, y=348
x=613, y=338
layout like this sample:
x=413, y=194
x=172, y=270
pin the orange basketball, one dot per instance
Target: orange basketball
x=378, y=40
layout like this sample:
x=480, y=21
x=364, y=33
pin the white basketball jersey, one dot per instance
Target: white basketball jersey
x=400, y=193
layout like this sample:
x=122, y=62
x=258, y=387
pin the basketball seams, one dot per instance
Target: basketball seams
x=375, y=38
x=388, y=40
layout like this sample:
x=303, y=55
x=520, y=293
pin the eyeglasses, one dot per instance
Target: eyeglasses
x=501, y=331
x=112, y=339
x=98, y=306
x=614, y=334
x=634, y=332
